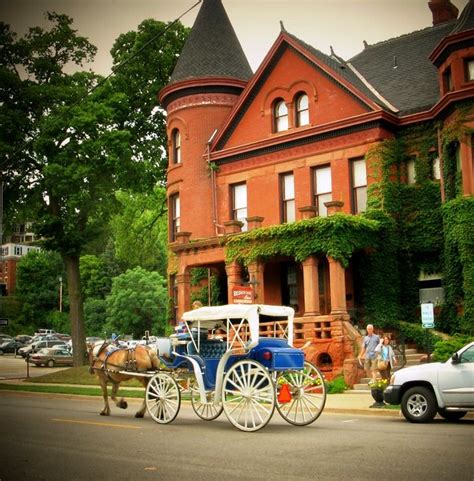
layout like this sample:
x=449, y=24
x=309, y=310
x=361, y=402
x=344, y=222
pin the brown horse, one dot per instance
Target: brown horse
x=106, y=361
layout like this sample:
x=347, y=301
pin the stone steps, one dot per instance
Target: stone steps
x=413, y=358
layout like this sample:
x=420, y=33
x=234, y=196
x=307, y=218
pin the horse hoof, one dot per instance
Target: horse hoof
x=103, y=413
x=123, y=404
x=138, y=415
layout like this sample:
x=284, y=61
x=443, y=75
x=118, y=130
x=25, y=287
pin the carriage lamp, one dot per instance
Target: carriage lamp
x=267, y=355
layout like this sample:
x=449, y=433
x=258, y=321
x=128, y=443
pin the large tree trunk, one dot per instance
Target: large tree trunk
x=76, y=309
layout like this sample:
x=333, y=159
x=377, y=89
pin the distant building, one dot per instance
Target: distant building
x=17, y=245
x=289, y=142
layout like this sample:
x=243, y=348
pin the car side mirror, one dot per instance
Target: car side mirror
x=455, y=358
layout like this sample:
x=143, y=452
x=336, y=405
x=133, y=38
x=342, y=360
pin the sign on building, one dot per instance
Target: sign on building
x=3, y=322
x=242, y=295
x=427, y=315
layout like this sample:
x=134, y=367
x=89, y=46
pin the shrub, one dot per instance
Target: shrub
x=337, y=385
x=444, y=349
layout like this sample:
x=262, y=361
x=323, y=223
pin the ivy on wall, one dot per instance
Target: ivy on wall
x=337, y=236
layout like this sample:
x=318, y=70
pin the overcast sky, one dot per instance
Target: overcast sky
x=344, y=24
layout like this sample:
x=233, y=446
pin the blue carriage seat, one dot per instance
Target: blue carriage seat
x=208, y=358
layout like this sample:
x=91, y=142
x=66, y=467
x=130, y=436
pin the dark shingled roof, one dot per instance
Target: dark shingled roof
x=466, y=20
x=400, y=70
x=339, y=66
x=212, y=48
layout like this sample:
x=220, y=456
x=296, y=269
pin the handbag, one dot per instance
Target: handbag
x=382, y=365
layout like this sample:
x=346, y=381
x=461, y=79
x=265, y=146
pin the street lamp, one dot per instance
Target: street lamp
x=60, y=294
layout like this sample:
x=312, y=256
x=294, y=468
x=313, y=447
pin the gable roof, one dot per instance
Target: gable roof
x=466, y=20
x=212, y=48
x=400, y=68
x=340, y=67
x=328, y=66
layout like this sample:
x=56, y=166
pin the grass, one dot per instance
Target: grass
x=76, y=375
x=74, y=390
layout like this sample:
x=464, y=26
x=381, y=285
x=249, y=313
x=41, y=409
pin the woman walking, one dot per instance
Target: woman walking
x=386, y=359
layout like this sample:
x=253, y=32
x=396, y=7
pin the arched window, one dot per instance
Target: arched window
x=302, y=110
x=280, y=115
x=176, y=146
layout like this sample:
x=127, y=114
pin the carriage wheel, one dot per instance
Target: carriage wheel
x=163, y=398
x=303, y=399
x=208, y=410
x=248, y=395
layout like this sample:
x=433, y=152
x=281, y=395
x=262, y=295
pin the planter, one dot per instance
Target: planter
x=377, y=394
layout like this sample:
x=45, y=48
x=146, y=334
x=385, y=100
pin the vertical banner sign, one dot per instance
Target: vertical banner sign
x=427, y=315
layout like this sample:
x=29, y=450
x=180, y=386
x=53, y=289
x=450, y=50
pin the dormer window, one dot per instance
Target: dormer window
x=280, y=115
x=469, y=69
x=302, y=110
x=176, y=146
x=447, y=81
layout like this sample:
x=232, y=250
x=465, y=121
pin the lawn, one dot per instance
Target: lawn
x=76, y=375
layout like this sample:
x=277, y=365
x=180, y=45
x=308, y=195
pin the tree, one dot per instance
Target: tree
x=38, y=286
x=140, y=230
x=62, y=159
x=138, y=302
x=94, y=279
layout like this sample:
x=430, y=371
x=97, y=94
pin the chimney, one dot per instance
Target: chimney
x=443, y=11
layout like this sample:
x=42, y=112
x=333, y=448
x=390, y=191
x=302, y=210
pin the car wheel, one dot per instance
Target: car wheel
x=451, y=415
x=50, y=363
x=419, y=405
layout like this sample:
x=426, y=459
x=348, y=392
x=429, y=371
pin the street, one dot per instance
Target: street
x=49, y=438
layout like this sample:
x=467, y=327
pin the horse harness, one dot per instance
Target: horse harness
x=130, y=364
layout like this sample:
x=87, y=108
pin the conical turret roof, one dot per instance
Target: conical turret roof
x=212, y=48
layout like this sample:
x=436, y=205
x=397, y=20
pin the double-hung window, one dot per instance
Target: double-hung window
x=176, y=146
x=239, y=203
x=322, y=189
x=175, y=217
x=302, y=110
x=288, y=197
x=359, y=185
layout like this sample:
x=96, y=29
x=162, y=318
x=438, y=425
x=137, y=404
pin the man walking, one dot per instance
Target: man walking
x=369, y=343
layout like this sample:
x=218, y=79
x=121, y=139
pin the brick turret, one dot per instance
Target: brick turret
x=210, y=74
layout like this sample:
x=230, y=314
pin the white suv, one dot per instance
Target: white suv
x=446, y=388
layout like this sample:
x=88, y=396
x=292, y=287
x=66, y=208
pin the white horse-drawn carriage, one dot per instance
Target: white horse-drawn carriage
x=227, y=365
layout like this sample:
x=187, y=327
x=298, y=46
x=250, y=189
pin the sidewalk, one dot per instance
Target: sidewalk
x=349, y=402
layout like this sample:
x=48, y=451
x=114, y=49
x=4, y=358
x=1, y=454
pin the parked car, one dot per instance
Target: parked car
x=25, y=339
x=446, y=388
x=56, y=356
x=5, y=337
x=36, y=346
x=10, y=346
x=44, y=332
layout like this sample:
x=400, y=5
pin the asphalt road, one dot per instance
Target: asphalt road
x=56, y=438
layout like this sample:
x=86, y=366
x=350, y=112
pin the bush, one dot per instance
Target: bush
x=337, y=385
x=445, y=349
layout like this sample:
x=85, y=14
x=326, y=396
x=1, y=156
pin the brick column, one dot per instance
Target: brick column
x=254, y=222
x=233, y=226
x=234, y=278
x=334, y=206
x=256, y=281
x=311, y=286
x=307, y=212
x=337, y=281
x=183, y=282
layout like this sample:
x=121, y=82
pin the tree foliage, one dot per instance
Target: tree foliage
x=138, y=302
x=69, y=142
x=38, y=286
x=140, y=230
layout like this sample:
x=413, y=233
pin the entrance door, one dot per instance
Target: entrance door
x=324, y=292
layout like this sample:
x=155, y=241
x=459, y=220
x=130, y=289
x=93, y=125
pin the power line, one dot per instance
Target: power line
x=114, y=71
